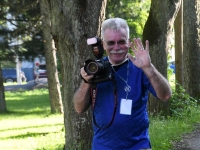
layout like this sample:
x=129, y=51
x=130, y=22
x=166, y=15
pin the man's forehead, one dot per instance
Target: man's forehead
x=112, y=34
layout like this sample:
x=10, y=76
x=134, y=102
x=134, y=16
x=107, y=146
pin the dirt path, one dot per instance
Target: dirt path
x=189, y=141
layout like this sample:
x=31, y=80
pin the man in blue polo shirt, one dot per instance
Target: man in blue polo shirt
x=120, y=118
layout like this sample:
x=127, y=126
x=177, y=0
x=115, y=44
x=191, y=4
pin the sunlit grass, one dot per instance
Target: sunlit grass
x=28, y=124
x=165, y=131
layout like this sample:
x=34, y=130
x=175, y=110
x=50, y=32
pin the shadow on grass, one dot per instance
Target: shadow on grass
x=34, y=127
x=30, y=134
x=30, y=105
x=19, y=113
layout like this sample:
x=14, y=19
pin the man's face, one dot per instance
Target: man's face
x=116, y=44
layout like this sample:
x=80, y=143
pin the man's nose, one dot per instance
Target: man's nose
x=116, y=46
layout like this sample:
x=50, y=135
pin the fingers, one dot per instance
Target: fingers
x=137, y=45
x=138, y=49
x=85, y=75
x=147, y=45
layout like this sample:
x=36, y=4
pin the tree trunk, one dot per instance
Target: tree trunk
x=191, y=47
x=2, y=95
x=178, y=26
x=73, y=21
x=51, y=60
x=157, y=30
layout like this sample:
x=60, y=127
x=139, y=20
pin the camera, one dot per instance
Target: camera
x=100, y=68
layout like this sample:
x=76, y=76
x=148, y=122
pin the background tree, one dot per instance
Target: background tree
x=24, y=16
x=157, y=30
x=51, y=60
x=26, y=20
x=2, y=95
x=191, y=47
x=74, y=21
x=5, y=53
x=22, y=36
x=178, y=28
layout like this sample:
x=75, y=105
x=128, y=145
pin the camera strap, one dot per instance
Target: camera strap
x=93, y=95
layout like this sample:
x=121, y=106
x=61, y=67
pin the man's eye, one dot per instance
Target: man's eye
x=122, y=42
x=111, y=43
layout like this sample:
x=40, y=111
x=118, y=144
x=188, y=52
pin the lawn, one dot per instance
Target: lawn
x=28, y=124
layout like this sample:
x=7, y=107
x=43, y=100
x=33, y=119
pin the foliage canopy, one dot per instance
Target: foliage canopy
x=135, y=12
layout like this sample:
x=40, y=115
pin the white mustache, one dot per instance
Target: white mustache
x=117, y=52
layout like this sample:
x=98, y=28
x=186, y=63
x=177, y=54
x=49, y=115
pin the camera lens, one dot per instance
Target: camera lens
x=92, y=67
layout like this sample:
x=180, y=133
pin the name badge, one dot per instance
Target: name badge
x=126, y=106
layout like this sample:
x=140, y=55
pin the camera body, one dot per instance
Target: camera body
x=100, y=68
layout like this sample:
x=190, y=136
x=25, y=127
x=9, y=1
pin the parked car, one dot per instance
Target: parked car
x=9, y=75
x=42, y=71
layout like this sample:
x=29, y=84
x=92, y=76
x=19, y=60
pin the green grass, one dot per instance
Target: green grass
x=13, y=83
x=28, y=124
x=165, y=131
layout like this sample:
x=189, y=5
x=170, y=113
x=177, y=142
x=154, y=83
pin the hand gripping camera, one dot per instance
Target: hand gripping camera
x=100, y=68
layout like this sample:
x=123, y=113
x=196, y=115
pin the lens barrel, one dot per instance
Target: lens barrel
x=93, y=67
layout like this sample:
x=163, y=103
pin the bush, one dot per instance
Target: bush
x=181, y=103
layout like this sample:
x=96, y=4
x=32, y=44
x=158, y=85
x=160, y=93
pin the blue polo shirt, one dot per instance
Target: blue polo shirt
x=127, y=132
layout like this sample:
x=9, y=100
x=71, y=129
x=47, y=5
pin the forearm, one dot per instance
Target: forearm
x=159, y=83
x=81, y=98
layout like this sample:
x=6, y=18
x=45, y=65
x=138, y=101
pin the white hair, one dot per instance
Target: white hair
x=115, y=24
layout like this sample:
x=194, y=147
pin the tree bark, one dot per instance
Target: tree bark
x=51, y=60
x=73, y=21
x=157, y=30
x=2, y=95
x=191, y=47
x=178, y=26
